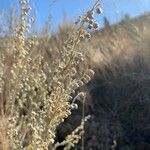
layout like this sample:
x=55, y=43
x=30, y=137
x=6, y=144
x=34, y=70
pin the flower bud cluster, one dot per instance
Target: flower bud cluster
x=88, y=21
x=72, y=139
x=87, y=76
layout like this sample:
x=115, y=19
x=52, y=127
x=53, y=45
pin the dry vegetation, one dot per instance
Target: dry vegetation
x=120, y=90
x=119, y=94
x=37, y=94
x=40, y=94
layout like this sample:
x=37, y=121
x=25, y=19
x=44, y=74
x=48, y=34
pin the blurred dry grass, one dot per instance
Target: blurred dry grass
x=121, y=89
x=119, y=95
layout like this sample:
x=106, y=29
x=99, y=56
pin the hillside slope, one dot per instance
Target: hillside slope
x=119, y=94
x=120, y=91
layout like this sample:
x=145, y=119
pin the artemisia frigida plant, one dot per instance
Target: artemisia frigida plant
x=39, y=97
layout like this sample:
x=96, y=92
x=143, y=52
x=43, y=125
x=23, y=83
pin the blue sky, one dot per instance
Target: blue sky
x=114, y=10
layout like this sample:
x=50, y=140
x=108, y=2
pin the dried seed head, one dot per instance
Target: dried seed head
x=69, y=97
x=76, y=85
x=74, y=106
x=88, y=35
x=91, y=72
x=81, y=37
x=81, y=96
x=80, y=83
x=95, y=25
x=31, y=19
x=87, y=118
x=73, y=72
x=90, y=14
x=98, y=10
x=91, y=21
x=87, y=78
x=86, y=19
x=26, y=9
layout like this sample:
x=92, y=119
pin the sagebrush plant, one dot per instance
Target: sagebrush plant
x=38, y=95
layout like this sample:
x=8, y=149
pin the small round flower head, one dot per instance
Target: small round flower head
x=31, y=19
x=88, y=35
x=98, y=10
x=26, y=9
x=80, y=83
x=95, y=25
x=86, y=19
x=81, y=37
x=90, y=14
x=91, y=21
x=91, y=72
